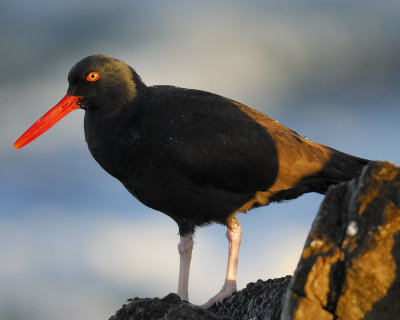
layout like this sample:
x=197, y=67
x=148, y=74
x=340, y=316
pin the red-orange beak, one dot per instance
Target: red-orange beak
x=60, y=110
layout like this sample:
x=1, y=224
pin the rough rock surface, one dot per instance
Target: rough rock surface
x=259, y=300
x=350, y=265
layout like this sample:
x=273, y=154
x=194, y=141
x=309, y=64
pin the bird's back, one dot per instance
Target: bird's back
x=194, y=154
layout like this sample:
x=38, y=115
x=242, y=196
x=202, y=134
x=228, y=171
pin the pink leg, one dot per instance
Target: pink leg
x=185, y=247
x=234, y=235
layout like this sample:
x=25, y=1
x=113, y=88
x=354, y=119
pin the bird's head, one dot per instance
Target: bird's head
x=102, y=82
x=97, y=83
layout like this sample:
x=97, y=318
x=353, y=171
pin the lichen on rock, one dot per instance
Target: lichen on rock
x=354, y=271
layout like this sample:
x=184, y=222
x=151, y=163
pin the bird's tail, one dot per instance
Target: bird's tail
x=342, y=167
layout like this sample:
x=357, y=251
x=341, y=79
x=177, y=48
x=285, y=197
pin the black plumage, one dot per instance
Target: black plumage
x=196, y=156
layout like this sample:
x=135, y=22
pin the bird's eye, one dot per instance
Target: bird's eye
x=93, y=76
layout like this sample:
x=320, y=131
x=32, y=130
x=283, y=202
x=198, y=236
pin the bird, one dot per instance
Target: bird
x=196, y=156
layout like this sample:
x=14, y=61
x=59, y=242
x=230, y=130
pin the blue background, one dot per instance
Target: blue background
x=74, y=243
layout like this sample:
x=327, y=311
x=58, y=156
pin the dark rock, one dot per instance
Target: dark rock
x=147, y=308
x=350, y=265
x=260, y=300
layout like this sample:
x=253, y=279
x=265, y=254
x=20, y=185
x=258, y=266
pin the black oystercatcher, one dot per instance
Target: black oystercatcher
x=196, y=156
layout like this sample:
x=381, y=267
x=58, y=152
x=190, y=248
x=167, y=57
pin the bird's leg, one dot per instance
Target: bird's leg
x=185, y=247
x=234, y=235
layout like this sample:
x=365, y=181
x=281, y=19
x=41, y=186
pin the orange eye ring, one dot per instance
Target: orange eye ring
x=92, y=76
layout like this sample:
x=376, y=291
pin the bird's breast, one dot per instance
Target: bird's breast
x=111, y=145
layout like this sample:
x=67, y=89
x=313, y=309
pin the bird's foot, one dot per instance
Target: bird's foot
x=227, y=290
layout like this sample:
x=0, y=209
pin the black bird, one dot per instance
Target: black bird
x=196, y=156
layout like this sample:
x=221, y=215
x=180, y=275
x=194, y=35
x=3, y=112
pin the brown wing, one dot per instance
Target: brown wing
x=297, y=156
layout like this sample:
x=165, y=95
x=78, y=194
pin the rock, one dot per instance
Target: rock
x=147, y=308
x=259, y=300
x=350, y=265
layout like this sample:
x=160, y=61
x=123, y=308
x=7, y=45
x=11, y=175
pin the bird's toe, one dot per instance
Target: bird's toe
x=227, y=290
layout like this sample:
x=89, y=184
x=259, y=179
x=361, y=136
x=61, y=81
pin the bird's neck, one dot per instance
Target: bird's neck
x=109, y=137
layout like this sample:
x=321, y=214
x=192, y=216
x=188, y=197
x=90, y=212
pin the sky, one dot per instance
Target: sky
x=75, y=243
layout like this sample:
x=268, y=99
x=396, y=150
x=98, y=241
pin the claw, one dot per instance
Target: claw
x=227, y=290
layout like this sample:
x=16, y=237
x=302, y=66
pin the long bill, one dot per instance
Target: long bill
x=60, y=110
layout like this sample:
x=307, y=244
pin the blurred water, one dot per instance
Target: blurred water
x=75, y=243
